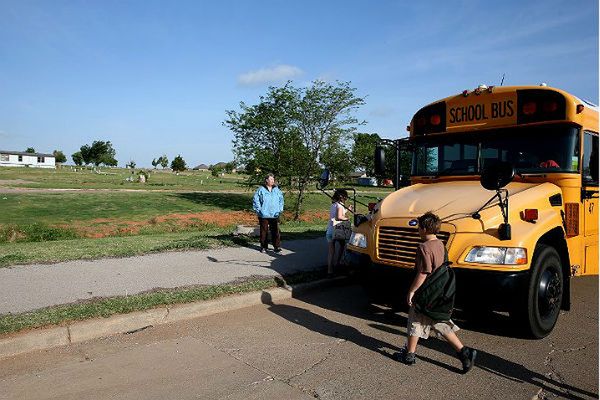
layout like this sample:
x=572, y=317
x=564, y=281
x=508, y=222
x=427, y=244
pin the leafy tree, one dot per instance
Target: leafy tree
x=155, y=162
x=229, y=167
x=103, y=153
x=30, y=150
x=164, y=161
x=251, y=167
x=77, y=158
x=363, y=152
x=178, y=164
x=99, y=152
x=335, y=157
x=293, y=131
x=131, y=164
x=215, y=170
x=59, y=156
x=86, y=154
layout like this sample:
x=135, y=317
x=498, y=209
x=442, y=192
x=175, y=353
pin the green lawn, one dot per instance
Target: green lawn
x=64, y=207
x=52, y=226
x=115, y=178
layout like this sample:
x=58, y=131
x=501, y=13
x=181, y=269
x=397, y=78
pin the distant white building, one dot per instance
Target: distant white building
x=22, y=159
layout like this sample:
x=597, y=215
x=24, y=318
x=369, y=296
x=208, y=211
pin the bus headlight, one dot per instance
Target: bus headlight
x=497, y=255
x=358, y=240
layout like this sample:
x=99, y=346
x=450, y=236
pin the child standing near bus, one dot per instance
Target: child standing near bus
x=431, y=254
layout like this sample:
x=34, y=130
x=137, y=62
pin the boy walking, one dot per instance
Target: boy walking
x=431, y=255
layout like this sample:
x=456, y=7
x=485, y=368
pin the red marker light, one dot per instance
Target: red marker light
x=372, y=206
x=529, y=215
x=465, y=93
x=421, y=121
x=550, y=106
x=580, y=108
x=435, y=119
x=529, y=108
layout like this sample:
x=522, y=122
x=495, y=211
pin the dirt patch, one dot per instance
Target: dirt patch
x=311, y=216
x=105, y=227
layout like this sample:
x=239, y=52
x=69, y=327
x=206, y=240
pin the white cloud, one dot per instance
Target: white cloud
x=277, y=73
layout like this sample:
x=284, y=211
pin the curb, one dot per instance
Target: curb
x=80, y=331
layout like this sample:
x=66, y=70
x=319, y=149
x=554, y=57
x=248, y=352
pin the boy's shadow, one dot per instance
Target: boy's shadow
x=324, y=326
x=387, y=321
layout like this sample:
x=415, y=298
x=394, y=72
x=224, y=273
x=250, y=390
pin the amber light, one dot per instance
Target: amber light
x=435, y=119
x=529, y=215
x=572, y=219
x=521, y=261
x=529, y=108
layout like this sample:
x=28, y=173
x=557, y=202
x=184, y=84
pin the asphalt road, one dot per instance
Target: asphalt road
x=329, y=345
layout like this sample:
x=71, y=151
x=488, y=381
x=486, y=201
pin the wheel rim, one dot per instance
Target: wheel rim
x=549, y=293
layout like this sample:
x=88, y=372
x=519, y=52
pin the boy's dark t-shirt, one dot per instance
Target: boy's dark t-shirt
x=430, y=256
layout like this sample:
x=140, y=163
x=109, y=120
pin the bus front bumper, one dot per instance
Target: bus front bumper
x=499, y=291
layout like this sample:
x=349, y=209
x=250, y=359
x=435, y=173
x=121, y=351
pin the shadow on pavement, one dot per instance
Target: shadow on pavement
x=324, y=326
x=294, y=258
x=390, y=322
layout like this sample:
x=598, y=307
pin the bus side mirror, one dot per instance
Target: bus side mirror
x=324, y=179
x=497, y=175
x=379, y=161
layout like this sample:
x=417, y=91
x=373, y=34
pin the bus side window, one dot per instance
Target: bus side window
x=590, y=159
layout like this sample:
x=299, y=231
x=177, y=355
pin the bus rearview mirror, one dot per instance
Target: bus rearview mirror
x=497, y=175
x=379, y=160
x=324, y=179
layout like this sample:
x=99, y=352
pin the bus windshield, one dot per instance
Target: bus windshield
x=540, y=149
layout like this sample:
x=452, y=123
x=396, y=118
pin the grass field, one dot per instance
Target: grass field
x=115, y=178
x=46, y=225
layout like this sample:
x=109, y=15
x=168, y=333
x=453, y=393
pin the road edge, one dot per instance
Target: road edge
x=81, y=331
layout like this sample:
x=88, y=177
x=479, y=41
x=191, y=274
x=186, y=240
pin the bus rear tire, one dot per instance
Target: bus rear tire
x=544, y=294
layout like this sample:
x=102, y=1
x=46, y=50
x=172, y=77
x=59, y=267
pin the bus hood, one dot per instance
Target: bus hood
x=452, y=200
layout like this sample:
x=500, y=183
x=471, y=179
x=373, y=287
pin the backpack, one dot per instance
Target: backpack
x=435, y=297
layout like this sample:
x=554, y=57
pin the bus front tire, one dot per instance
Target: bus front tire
x=544, y=294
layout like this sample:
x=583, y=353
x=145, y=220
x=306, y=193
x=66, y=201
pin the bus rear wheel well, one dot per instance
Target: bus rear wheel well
x=556, y=239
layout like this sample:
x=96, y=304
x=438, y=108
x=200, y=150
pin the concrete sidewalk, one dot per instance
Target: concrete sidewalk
x=30, y=287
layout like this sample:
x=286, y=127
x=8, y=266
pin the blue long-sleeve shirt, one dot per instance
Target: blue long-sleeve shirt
x=268, y=204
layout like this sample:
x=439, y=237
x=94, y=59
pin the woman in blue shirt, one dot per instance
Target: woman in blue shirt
x=268, y=205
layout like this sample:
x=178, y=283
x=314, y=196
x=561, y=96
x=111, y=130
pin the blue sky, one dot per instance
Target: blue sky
x=156, y=77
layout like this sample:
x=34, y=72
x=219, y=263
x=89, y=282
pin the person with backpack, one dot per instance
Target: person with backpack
x=431, y=297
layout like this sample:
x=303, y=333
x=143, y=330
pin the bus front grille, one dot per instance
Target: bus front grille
x=399, y=245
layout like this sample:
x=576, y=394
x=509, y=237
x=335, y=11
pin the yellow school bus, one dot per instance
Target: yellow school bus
x=550, y=139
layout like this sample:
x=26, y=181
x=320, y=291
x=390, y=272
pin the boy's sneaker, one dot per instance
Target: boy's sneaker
x=277, y=250
x=404, y=357
x=467, y=358
x=263, y=250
